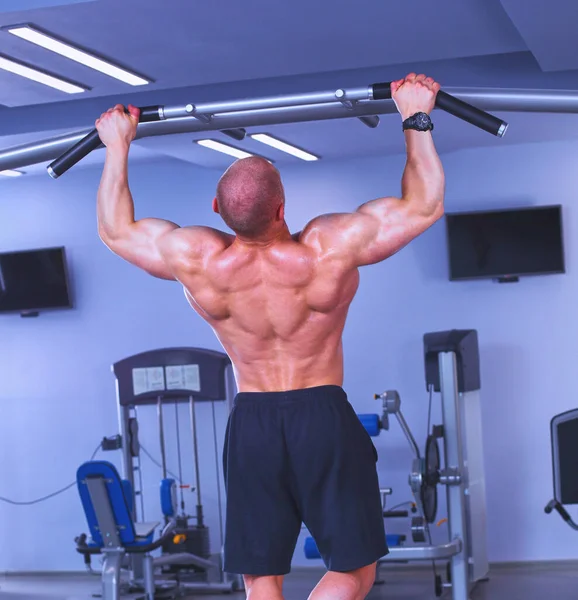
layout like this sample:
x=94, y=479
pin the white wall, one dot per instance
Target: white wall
x=57, y=391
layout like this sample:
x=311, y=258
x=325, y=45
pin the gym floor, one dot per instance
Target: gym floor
x=535, y=582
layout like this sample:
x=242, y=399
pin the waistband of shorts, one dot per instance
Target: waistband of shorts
x=321, y=392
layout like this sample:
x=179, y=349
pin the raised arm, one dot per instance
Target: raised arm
x=380, y=228
x=138, y=242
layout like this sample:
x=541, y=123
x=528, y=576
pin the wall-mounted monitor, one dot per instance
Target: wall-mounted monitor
x=34, y=280
x=505, y=244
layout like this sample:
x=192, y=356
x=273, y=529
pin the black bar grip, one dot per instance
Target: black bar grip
x=91, y=142
x=454, y=106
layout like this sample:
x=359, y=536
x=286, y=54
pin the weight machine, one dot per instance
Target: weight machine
x=161, y=378
x=564, y=435
x=451, y=369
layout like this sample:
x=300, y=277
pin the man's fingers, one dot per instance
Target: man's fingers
x=134, y=111
x=395, y=85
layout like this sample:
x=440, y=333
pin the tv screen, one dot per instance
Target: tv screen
x=33, y=280
x=505, y=243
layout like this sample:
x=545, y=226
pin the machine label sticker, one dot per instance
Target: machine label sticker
x=148, y=380
x=183, y=377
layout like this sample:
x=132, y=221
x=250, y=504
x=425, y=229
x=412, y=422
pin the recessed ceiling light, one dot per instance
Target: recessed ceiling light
x=50, y=43
x=11, y=173
x=17, y=68
x=283, y=146
x=224, y=148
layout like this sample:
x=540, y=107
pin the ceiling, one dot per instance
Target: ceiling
x=222, y=50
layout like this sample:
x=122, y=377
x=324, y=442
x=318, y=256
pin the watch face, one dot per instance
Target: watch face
x=422, y=120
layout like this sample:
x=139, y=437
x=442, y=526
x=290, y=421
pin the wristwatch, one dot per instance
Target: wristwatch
x=419, y=122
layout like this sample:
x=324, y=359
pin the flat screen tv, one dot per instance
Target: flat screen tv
x=505, y=244
x=34, y=280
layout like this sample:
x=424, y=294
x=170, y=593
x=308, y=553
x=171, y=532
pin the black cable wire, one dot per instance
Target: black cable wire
x=429, y=410
x=158, y=464
x=38, y=500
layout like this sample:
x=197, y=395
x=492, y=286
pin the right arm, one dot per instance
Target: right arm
x=380, y=228
x=159, y=247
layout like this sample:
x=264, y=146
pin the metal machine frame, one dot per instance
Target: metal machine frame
x=452, y=368
x=159, y=377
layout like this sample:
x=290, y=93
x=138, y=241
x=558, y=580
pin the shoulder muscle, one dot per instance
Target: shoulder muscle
x=190, y=246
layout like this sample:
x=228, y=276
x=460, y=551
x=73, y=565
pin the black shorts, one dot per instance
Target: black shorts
x=293, y=457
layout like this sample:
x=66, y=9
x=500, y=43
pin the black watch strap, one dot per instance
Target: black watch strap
x=419, y=122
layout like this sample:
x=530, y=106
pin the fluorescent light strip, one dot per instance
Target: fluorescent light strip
x=39, y=76
x=283, y=146
x=54, y=45
x=224, y=148
x=11, y=173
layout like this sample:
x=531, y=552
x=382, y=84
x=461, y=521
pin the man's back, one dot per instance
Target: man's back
x=278, y=309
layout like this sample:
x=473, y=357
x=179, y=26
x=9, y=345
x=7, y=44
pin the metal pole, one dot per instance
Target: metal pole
x=179, y=456
x=210, y=108
x=454, y=460
x=297, y=108
x=127, y=458
x=200, y=519
x=218, y=470
x=162, y=435
x=407, y=431
x=123, y=424
x=50, y=148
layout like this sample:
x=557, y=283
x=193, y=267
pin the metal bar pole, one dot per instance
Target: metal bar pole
x=307, y=99
x=123, y=424
x=162, y=435
x=506, y=100
x=200, y=519
x=408, y=434
x=348, y=99
x=218, y=470
x=179, y=456
x=50, y=148
x=453, y=451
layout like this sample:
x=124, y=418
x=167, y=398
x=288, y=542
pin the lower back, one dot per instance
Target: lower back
x=274, y=364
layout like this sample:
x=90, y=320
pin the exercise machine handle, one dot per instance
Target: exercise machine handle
x=454, y=106
x=91, y=142
x=395, y=514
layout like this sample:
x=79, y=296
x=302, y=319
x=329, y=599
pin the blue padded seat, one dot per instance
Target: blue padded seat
x=120, y=497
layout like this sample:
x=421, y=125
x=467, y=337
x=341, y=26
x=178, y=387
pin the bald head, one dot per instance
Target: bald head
x=249, y=196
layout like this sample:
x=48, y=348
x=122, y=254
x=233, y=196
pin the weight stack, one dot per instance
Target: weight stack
x=196, y=542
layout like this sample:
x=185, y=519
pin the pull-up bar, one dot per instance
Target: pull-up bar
x=242, y=113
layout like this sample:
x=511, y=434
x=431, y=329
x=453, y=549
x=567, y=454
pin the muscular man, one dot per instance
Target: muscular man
x=295, y=451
